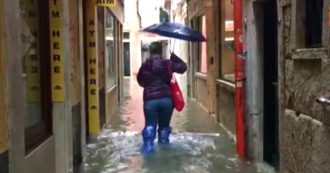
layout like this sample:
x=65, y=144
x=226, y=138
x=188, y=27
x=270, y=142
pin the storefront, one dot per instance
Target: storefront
x=211, y=74
x=41, y=61
x=46, y=54
x=104, y=62
x=114, y=60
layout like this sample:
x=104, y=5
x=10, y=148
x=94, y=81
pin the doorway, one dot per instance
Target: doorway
x=270, y=67
x=127, y=61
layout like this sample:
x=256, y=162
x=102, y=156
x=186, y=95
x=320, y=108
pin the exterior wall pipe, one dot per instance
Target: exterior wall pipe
x=239, y=79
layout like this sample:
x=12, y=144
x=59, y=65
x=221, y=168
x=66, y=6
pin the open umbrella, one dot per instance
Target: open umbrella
x=175, y=30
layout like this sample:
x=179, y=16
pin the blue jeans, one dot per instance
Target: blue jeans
x=158, y=112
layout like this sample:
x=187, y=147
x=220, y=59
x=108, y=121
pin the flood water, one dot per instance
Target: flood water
x=198, y=144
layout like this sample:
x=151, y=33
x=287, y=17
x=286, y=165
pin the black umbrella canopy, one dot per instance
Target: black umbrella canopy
x=176, y=30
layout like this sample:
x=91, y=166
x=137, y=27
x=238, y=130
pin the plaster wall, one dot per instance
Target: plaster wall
x=304, y=76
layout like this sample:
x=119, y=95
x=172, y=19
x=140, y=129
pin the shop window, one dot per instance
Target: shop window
x=111, y=70
x=36, y=71
x=202, y=47
x=109, y=21
x=101, y=45
x=307, y=28
x=227, y=62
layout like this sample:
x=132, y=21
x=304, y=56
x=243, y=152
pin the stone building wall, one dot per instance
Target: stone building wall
x=304, y=75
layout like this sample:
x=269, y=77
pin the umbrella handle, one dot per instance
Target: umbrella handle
x=173, y=39
x=173, y=46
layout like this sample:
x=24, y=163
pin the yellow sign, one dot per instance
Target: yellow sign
x=106, y=3
x=56, y=47
x=92, y=67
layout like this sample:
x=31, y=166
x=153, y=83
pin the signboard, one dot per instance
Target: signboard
x=56, y=48
x=92, y=67
x=106, y=3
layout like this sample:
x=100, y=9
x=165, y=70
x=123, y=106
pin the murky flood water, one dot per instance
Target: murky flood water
x=198, y=144
x=188, y=152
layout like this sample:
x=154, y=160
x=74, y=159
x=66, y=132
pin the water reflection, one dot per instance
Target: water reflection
x=119, y=151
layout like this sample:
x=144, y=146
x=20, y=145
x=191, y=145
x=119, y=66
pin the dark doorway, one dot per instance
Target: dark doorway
x=271, y=153
x=4, y=162
x=127, y=60
x=314, y=20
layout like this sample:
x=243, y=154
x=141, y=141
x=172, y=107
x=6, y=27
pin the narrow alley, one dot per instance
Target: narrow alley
x=198, y=143
x=164, y=86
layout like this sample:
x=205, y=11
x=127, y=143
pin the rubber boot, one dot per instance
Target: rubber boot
x=164, y=134
x=149, y=134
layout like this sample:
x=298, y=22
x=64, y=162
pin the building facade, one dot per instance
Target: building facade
x=132, y=26
x=303, y=77
x=53, y=86
x=287, y=69
x=286, y=63
x=211, y=77
x=261, y=68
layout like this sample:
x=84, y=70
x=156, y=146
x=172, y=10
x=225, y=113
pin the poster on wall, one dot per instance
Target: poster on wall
x=56, y=48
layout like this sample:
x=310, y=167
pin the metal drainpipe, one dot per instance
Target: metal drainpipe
x=239, y=78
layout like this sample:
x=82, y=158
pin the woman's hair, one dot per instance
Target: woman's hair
x=156, y=48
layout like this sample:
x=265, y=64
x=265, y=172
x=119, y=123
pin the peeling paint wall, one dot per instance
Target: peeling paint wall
x=303, y=76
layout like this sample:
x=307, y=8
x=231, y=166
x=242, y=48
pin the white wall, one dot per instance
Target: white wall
x=178, y=15
x=149, y=10
x=132, y=25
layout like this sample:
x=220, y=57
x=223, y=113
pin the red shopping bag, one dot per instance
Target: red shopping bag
x=177, y=97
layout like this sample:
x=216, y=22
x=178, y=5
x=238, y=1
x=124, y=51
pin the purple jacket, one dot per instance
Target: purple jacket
x=155, y=78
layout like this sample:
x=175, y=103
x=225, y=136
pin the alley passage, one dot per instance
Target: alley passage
x=198, y=144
